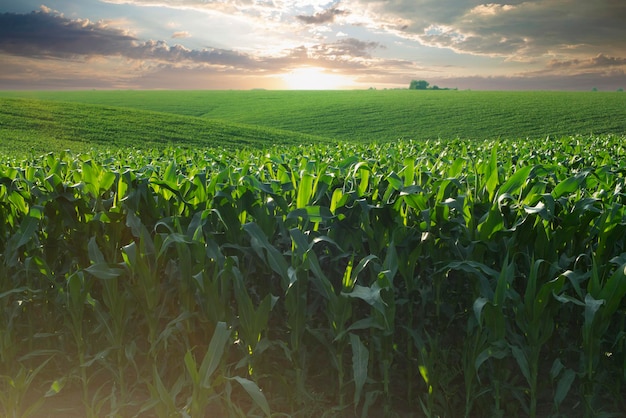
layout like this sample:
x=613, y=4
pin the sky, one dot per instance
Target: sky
x=312, y=44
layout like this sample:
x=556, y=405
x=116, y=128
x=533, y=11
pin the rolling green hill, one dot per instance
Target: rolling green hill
x=382, y=115
x=32, y=125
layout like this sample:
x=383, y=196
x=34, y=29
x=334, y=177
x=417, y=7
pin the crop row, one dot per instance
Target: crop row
x=447, y=278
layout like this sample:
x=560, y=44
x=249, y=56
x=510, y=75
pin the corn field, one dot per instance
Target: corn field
x=437, y=279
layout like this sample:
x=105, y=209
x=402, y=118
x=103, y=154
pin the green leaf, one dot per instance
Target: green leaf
x=479, y=305
x=366, y=323
x=75, y=291
x=364, y=172
x=491, y=223
x=394, y=181
x=312, y=214
x=305, y=252
x=563, y=386
x=267, y=252
x=515, y=182
x=104, y=271
x=337, y=200
x=591, y=308
x=408, y=171
x=390, y=265
x=305, y=190
x=360, y=360
x=56, y=387
x=371, y=295
x=214, y=354
x=255, y=393
x=18, y=201
x=28, y=230
x=543, y=297
x=347, y=282
x=361, y=266
x=557, y=367
x=484, y=273
x=456, y=167
x=531, y=285
x=522, y=361
x=533, y=210
x=13, y=291
x=491, y=173
x=504, y=278
x=95, y=255
x=614, y=290
x=190, y=364
x=493, y=351
x=569, y=185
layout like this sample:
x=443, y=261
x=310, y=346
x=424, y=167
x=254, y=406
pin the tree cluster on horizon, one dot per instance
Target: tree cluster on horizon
x=424, y=85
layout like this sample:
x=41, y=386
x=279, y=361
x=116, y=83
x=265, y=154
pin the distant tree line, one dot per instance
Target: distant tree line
x=425, y=85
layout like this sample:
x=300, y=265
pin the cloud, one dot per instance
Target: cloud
x=179, y=4
x=181, y=35
x=531, y=81
x=251, y=8
x=326, y=16
x=515, y=29
x=61, y=49
x=349, y=48
x=346, y=54
x=600, y=61
x=35, y=73
x=44, y=34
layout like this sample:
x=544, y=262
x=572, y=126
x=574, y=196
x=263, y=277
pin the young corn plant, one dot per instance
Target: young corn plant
x=14, y=389
x=602, y=300
x=535, y=317
x=491, y=317
x=114, y=313
x=203, y=383
x=338, y=313
x=78, y=299
x=209, y=376
x=253, y=321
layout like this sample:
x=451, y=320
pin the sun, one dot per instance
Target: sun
x=314, y=78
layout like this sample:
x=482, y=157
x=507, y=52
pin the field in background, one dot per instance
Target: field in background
x=186, y=259
x=32, y=127
x=197, y=118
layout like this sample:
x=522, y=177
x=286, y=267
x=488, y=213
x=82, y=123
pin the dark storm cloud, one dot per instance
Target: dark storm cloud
x=327, y=16
x=43, y=34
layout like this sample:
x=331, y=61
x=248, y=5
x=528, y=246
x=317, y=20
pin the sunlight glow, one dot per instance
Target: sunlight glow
x=315, y=78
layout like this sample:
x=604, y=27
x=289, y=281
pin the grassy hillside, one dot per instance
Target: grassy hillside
x=383, y=115
x=31, y=125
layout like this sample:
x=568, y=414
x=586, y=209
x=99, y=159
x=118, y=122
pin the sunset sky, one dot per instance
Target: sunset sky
x=312, y=44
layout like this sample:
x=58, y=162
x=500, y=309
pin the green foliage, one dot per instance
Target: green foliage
x=418, y=85
x=436, y=278
x=81, y=120
x=30, y=126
